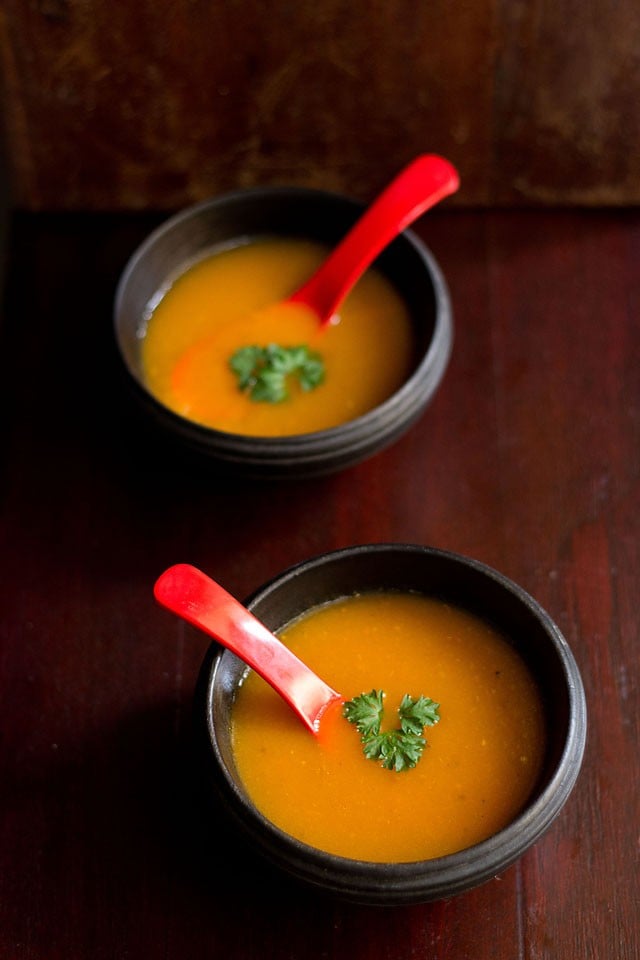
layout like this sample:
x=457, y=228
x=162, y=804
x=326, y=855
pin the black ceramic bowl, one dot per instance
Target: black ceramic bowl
x=296, y=213
x=465, y=583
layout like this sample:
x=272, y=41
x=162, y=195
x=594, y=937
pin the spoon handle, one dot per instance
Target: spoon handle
x=202, y=602
x=420, y=185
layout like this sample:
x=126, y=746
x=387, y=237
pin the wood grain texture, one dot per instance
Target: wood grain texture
x=139, y=106
x=528, y=458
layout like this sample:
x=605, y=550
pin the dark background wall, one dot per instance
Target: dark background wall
x=111, y=104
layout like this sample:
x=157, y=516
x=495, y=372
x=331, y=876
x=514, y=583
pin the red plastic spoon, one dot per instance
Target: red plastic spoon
x=420, y=185
x=306, y=313
x=201, y=601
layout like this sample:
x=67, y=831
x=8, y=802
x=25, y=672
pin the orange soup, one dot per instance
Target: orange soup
x=476, y=772
x=221, y=304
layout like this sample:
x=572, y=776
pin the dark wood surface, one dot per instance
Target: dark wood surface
x=528, y=459
x=139, y=105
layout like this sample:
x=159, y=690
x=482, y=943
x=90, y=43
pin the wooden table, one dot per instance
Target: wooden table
x=528, y=459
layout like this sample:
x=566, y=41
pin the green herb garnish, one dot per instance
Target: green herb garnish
x=262, y=372
x=396, y=749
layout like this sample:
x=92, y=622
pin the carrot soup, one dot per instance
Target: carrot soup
x=229, y=300
x=481, y=760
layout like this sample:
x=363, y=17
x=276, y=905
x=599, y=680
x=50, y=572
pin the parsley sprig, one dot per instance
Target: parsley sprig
x=396, y=749
x=262, y=372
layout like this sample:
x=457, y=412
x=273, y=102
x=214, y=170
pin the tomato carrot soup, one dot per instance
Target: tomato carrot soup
x=229, y=300
x=476, y=772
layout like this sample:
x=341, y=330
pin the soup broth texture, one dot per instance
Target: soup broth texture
x=481, y=761
x=229, y=300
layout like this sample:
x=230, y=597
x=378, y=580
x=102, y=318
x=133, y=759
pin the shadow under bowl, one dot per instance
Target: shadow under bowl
x=296, y=213
x=467, y=584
